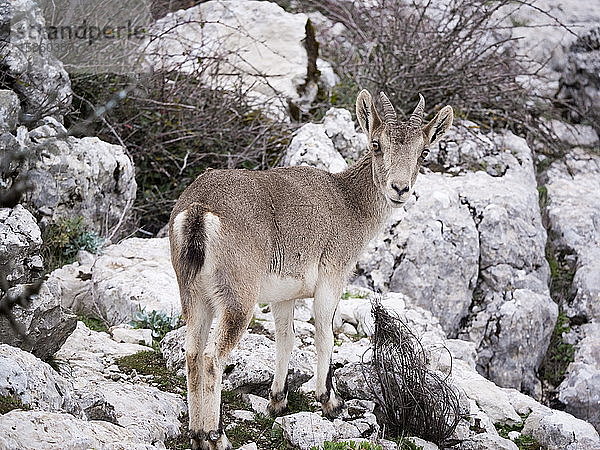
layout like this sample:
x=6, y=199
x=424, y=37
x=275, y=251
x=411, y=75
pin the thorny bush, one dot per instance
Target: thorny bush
x=458, y=52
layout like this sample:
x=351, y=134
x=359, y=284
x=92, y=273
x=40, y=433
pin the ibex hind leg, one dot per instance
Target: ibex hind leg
x=199, y=316
x=236, y=304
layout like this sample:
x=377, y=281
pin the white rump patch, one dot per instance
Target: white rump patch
x=212, y=225
x=178, y=224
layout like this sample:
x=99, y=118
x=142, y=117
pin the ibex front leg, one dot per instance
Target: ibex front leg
x=283, y=313
x=327, y=296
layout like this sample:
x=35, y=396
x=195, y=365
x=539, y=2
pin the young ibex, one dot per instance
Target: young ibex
x=239, y=237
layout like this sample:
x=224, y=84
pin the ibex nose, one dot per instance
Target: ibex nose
x=400, y=191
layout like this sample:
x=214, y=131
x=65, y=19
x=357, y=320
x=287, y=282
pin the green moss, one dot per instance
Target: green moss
x=559, y=355
x=10, y=402
x=543, y=197
x=261, y=431
x=152, y=363
x=93, y=324
x=299, y=401
x=561, y=275
x=350, y=294
x=66, y=237
x=523, y=442
x=256, y=326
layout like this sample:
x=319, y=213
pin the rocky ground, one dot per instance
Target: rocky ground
x=493, y=264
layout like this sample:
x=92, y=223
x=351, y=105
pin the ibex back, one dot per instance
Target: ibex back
x=239, y=237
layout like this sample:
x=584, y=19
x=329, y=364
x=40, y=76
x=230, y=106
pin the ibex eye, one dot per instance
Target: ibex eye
x=375, y=146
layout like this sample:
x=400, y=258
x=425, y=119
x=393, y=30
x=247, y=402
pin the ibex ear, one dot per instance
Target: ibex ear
x=367, y=115
x=438, y=126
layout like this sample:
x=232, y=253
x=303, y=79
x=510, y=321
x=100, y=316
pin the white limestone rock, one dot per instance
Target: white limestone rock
x=172, y=348
x=428, y=252
x=311, y=146
x=20, y=243
x=271, y=63
x=148, y=413
x=305, y=430
x=580, y=390
x=130, y=277
x=508, y=354
x=10, y=109
x=34, y=382
x=126, y=333
x=574, y=134
x=79, y=177
x=45, y=322
x=42, y=430
x=39, y=78
x=339, y=127
x=251, y=365
x=557, y=430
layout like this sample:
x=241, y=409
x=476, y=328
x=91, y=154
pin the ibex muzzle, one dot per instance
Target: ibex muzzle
x=239, y=237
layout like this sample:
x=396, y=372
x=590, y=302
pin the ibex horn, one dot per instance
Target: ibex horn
x=416, y=118
x=389, y=115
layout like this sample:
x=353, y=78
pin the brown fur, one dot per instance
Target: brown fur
x=240, y=236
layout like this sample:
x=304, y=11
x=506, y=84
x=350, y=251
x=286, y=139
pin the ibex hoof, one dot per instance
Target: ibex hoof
x=332, y=407
x=278, y=401
x=212, y=440
x=277, y=408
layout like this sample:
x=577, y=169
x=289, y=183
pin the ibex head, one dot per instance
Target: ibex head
x=398, y=148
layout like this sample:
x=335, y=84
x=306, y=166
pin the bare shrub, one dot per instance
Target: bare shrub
x=457, y=52
x=414, y=400
x=174, y=128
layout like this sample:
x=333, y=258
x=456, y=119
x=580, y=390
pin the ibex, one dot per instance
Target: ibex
x=239, y=237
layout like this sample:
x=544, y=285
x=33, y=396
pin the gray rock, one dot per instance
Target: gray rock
x=34, y=382
x=436, y=250
x=144, y=282
x=126, y=333
x=305, y=430
x=20, y=242
x=345, y=430
x=80, y=177
x=580, y=390
x=580, y=82
x=357, y=381
x=274, y=67
x=173, y=350
x=557, y=430
x=251, y=365
x=425, y=445
x=10, y=109
x=573, y=134
x=45, y=322
x=573, y=186
x=145, y=411
x=510, y=354
x=40, y=78
x=339, y=127
x=42, y=430
x=311, y=146
x=485, y=441
x=491, y=399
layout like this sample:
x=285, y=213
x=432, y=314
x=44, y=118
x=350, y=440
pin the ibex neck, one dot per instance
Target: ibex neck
x=361, y=192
